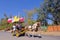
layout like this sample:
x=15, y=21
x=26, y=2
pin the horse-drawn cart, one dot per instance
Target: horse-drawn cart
x=18, y=33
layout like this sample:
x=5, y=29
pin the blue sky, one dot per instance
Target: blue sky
x=17, y=6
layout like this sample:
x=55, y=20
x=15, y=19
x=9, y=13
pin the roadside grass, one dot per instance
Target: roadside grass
x=3, y=27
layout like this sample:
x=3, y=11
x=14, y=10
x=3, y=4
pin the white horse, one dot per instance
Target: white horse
x=35, y=26
x=29, y=27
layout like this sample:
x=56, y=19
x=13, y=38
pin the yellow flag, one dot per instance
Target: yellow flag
x=16, y=19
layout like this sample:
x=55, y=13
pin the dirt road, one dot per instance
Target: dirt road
x=8, y=36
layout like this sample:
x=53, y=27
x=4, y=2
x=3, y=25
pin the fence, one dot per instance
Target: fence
x=53, y=28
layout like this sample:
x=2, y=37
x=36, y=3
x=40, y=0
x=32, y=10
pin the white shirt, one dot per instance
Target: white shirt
x=14, y=27
x=29, y=27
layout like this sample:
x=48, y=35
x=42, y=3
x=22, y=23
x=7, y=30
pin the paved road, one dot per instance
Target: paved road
x=8, y=36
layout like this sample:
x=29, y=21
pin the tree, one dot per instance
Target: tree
x=52, y=7
x=29, y=17
x=5, y=15
x=4, y=24
x=42, y=16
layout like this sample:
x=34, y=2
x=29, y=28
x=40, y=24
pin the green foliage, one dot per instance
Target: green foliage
x=31, y=22
x=50, y=7
x=29, y=17
x=44, y=28
x=53, y=7
x=4, y=24
x=10, y=25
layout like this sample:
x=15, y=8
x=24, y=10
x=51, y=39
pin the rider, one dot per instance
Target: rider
x=14, y=27
x=18, y=26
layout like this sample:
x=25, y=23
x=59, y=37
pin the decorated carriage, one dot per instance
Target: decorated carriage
x=17, y=21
